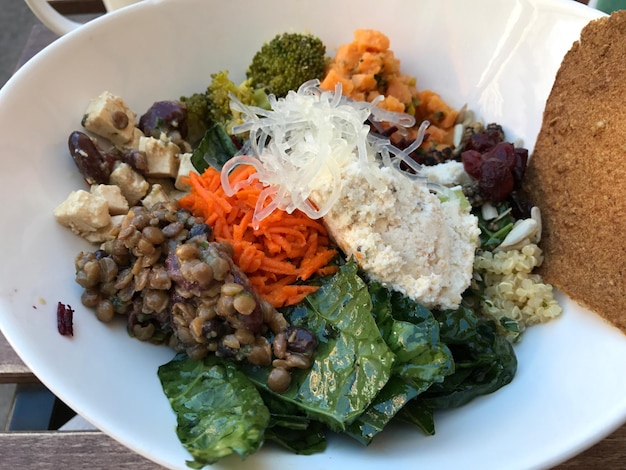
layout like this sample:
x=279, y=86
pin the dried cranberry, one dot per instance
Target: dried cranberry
x=505, y=152
x=472, y=163
x=486, y=140
x=497, y=165
x=496, y=181
x=478, y=142
x=65, y=319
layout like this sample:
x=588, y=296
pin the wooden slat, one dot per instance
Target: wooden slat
x=12, y=369
x=610, y=453
x=93, y=449
x=78, y=7
x=67, y=449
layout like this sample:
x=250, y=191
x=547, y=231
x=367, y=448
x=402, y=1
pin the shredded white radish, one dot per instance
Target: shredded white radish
x=306, y=138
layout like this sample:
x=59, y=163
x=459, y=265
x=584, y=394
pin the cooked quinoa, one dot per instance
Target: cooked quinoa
x=512, y=291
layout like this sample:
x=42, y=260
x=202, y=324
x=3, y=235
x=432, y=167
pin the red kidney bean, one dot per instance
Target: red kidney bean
x=94, y=165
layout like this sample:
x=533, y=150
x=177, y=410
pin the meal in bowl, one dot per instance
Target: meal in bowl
x=320, y=261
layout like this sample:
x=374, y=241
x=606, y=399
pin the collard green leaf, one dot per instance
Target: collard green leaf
x=485, y=361
x=412, y=333
x=215, y=149
x=421, y=358
x=395, y=394
x=405, y=309
x=219, y=411
x=352, y=362
x=420, y=415
x=284, y=414
x=381, y=307
x=290, y=428
x=457, y=326
x=304, y=442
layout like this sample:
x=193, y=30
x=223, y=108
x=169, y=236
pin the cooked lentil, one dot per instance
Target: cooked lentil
x=177, y=287
x=279, y=379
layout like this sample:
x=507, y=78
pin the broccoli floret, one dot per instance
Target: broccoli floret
x=286, y=62
x=213, y=106
x=197, y=116
x=218, y=96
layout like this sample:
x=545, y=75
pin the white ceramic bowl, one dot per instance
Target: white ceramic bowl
x=500, y=56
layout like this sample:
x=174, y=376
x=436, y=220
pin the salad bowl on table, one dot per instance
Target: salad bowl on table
x=499, y=57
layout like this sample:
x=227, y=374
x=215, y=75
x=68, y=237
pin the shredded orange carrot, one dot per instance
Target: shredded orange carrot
x=285, y=249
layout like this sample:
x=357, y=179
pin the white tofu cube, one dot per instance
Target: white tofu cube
x=112, y=194
x=184, y=168
x=108, y=116
x=83, y=212
x=105, y=233
x=160, y=157
x=133, y=144
x=132, y=184
x=156, y=195
x=167, y=185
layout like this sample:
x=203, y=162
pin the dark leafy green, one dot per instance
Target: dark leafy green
x=299, y=441
x=484, y=360
x=292, y=429
x=380, y=357
x=412, y=333
x=493, y=232
x=421, y=416
x=352, y=362
x=414, y=337
x=215, y=149
x=395, y=394
x=219, y=411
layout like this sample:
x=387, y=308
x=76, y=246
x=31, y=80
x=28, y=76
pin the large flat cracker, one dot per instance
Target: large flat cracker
x=577, y=173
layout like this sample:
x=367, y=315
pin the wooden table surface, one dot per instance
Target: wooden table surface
x=81, y=449
x=63, y=449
